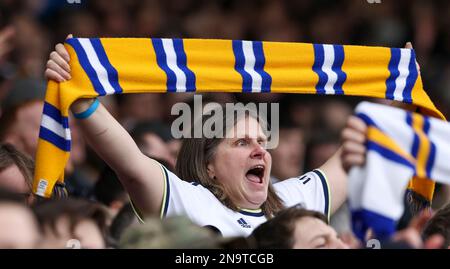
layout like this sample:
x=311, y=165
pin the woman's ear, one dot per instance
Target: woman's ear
x=210, y=170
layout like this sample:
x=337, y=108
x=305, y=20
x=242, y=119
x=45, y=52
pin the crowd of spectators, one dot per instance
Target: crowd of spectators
x=99, y=211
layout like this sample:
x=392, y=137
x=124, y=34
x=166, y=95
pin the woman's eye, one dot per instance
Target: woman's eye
x=241, y=142
x=262, y=143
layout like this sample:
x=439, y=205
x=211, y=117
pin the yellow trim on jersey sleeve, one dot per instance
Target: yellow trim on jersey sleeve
x=136, y=211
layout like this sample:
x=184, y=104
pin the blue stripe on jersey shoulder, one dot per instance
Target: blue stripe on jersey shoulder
x=325, y=191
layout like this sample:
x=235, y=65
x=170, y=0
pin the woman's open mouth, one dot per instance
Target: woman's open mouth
x=256, y=174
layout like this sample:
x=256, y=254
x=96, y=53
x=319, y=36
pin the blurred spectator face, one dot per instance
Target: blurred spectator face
x=66, y=219
x=335, y=115
x=6, y=38
x=141, y=107
x=206, y=22
x=85, y=231
x=149, y=20
x=18, y=227
x=154, y=146
x=320, y=153
x=12, y=179
x=274, y=25
x=296, y=228
x=82, y=24
x=288, y=156
x=24, y=131
x=313, y=233
x=303, y=114
x=155, y=140
x=16, y=172
x=89, y=235
x=117, y=23
x=32, y=52
x=174, y=147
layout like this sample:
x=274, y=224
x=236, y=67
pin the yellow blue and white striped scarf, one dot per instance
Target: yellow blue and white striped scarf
x=400, y=144
x=103, y=66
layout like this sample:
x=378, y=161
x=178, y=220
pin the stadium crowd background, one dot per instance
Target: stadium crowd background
x=310, y=125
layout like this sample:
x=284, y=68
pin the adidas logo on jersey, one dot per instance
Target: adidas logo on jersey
x=243, y=223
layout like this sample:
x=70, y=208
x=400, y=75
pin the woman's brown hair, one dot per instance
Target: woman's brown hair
x=9, y=156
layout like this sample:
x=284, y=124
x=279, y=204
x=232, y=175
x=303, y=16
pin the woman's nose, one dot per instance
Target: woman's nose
x=258, y=151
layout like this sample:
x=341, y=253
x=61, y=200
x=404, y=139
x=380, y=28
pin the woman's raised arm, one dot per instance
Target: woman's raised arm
x=141, y=176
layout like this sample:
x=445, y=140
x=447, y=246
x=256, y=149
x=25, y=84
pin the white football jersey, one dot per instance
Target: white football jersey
x=203, y=208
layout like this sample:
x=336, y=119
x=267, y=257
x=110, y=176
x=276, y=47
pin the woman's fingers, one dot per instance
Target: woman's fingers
x=58, y=69
x=353, y=147
x=52, y=75
x=61, y=50
x=357, y=124
x=355, y=130
x=350, y=160
x=409, y=45
x=59, y=60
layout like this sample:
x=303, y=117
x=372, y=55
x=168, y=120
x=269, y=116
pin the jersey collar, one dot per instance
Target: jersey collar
x=251, y=212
